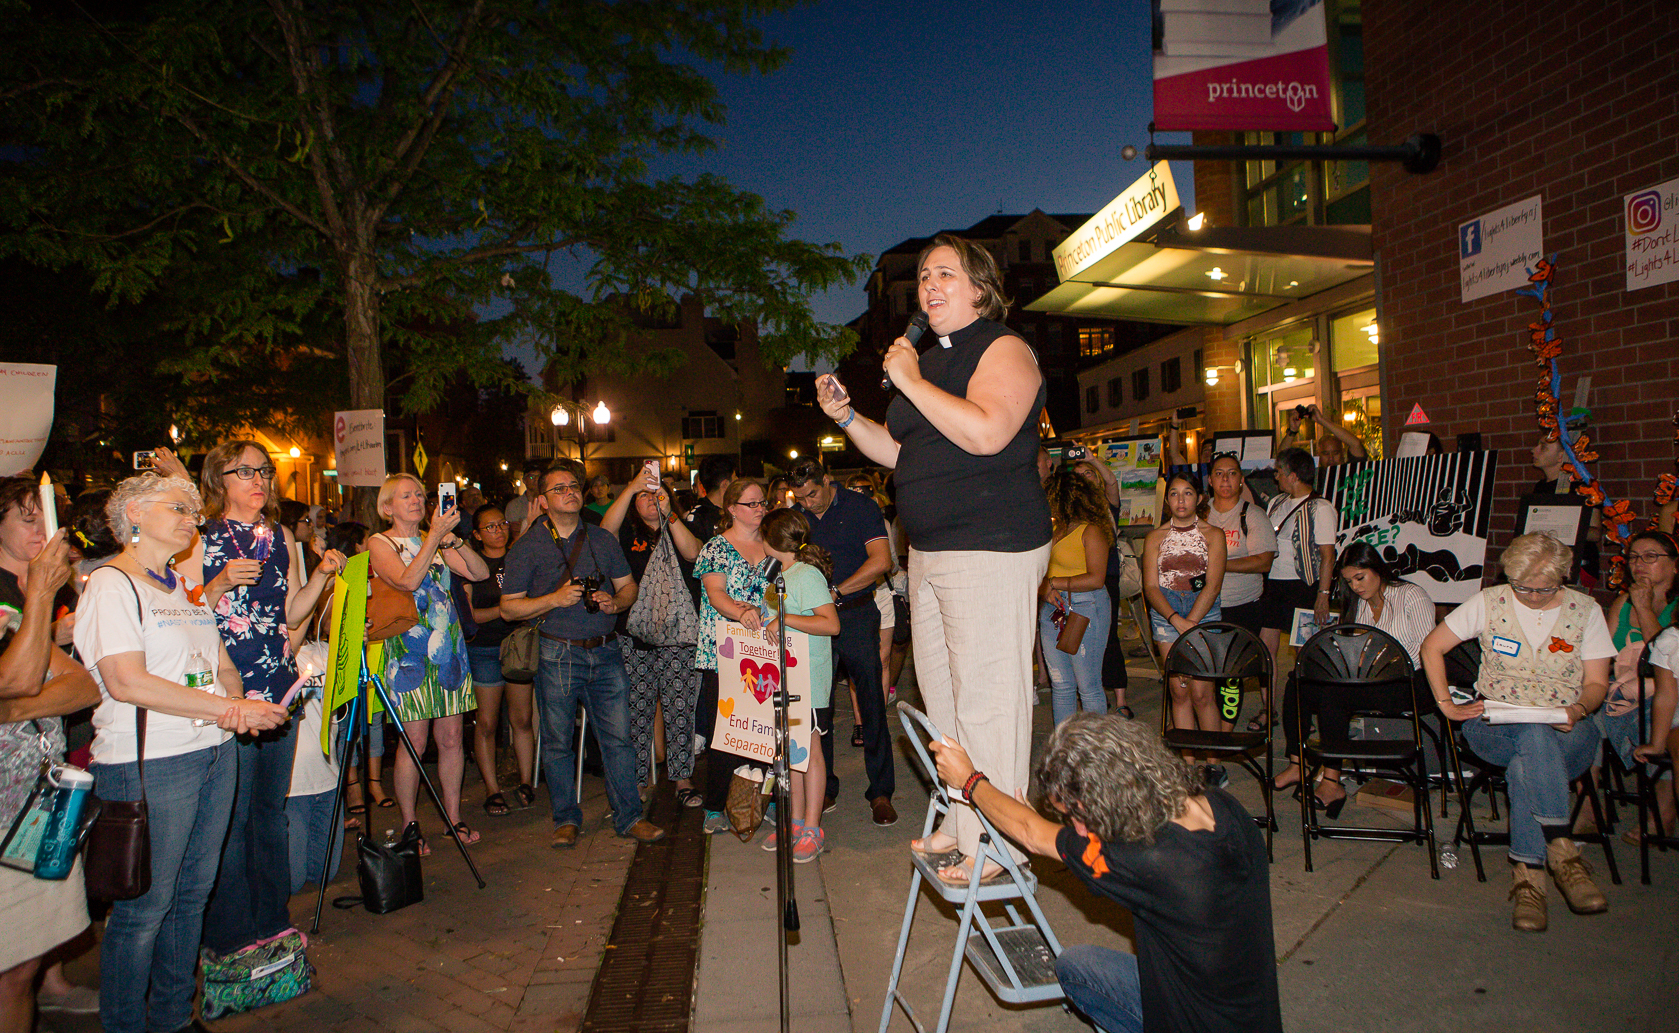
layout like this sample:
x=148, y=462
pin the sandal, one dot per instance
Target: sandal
x=377, y=791
x=856, y=735
x=1126, y=712
x=919, y=848
x=526, y=793
x=425, y=848
x=495, y=805
x=688, y=796
x=961, y=873
x=1257, y=722
x=466, y=835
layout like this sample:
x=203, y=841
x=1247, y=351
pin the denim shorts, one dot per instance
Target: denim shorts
x=1181, y=603
x=486, y=665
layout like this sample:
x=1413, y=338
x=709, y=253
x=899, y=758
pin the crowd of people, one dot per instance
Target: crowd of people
x=163, y=627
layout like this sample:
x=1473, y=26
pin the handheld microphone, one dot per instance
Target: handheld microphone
x=912, y=333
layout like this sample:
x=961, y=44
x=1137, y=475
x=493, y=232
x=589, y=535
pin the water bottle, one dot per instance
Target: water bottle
x=198, y=673
x=70, y=787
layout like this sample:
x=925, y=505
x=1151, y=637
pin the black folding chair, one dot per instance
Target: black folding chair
x=1357, y=662
x=1646, y=779
x=1218, y=652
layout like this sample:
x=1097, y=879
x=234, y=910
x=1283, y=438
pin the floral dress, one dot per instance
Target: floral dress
x=426, y=668
x=744, y=584
x=252, y=618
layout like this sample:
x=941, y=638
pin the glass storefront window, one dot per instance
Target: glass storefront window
x=1363, y=417
x=1355, y=340
x=1277, y=360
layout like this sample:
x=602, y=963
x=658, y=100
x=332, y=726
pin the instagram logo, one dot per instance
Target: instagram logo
x=1644, y=212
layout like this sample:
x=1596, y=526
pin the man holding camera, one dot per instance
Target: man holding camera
x=1335, y=445
x=556, y=574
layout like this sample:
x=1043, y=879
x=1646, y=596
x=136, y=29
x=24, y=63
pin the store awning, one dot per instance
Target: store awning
x=1214, y=276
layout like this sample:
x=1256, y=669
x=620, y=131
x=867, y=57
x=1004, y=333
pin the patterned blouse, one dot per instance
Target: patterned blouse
x=744, y=584
x=252, y=618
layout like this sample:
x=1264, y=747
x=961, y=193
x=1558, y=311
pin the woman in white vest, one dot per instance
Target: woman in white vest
x=1542, y=646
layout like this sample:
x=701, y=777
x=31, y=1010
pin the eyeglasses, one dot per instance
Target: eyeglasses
x=1525, y=590
x=565, y=489
x=247, y=472
x=179, y=509
x=499, y=525
x=760, y=504
x=1648, y=557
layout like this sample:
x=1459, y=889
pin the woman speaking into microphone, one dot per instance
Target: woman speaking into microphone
x=961, y=434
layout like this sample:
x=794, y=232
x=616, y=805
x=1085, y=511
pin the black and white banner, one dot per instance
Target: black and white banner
x=1426, y=515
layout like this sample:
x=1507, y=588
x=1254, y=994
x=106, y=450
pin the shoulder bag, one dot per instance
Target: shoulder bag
x=118, y=865
x=664, y=614
x=389, y=873
x=390, y=610
x=521, y=650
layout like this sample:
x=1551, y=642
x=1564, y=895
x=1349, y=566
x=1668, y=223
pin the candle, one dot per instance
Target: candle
x=49, y=506
x=303, y=676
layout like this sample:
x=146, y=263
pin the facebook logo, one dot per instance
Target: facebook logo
x=1469, y=239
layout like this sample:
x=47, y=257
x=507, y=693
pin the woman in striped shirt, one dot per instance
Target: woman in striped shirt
x=1375, y=597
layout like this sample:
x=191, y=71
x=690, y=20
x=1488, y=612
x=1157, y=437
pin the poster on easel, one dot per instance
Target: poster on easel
x=1135, y=462
x=1427, y=516
x=748, y=675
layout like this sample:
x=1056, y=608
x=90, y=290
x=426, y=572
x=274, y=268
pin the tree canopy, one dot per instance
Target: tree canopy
x=351, y=176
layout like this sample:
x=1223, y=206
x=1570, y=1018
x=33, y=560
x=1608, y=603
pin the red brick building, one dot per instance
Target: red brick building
x=1574, y=101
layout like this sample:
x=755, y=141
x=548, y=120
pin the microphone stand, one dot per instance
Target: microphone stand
x=786, y=905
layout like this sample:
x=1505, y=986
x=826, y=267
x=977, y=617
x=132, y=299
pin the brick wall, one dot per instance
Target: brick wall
x=1579, y=102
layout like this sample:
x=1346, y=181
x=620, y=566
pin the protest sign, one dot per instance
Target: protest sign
x=748, y=675
x=26, y=406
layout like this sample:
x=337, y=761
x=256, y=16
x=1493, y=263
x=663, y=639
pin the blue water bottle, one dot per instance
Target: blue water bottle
x=71, y=787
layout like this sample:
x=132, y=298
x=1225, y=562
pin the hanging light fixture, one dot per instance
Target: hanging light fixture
x=601, y=414
x=559, y=416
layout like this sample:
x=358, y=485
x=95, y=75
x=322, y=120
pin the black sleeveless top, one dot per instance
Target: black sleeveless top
x=952, y=500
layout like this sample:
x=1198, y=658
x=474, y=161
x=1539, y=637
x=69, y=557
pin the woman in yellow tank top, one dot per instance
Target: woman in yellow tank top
x=1077, y=581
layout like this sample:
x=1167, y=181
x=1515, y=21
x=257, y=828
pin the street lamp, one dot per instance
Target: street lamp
x=602, y=414
x=559, y=417
x=296, y=452
x=792, y=453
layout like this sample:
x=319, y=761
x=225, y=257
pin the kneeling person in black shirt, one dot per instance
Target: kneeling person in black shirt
x=1186, y=861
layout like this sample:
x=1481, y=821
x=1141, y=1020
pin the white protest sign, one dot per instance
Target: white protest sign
x=358, y=440
x=26, y=406
x=748, y=675
x=1495, y=251
x=1653, y=235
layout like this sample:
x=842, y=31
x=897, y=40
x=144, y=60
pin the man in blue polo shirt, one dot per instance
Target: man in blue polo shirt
x=582, y=659
x=849, y=526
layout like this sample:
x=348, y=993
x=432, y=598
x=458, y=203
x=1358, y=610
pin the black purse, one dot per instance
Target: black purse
x=389, y=874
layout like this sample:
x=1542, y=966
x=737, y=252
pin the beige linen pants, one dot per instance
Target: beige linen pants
x=972, y=618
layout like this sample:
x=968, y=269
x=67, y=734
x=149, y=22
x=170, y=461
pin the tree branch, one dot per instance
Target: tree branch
x=502, y=250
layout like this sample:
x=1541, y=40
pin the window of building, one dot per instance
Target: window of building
x=1116, y=393
x=1354, y=340
x=1200, y=364
x=1093, y=341
x=1171, y=375
x=702, y=424
x=1139, y=385
x=1092, y=399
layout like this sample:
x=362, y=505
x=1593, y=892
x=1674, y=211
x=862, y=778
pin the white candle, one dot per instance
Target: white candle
x=303, y=676
x=49, y=506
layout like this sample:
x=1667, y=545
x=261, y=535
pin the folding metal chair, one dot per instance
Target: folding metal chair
x=1353, y=660
x=1016, y=959
x=1215, y=652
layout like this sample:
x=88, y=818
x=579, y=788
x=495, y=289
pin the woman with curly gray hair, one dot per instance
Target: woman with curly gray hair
x=1186, y=861
x=146, y=632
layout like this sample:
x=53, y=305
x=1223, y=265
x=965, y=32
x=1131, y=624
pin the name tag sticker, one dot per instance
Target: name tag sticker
x=1506, y=646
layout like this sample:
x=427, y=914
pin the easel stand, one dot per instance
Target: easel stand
x=359, y=731
x=779, y=769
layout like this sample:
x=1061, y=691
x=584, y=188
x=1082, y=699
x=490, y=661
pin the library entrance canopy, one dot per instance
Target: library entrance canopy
x=1138, y=259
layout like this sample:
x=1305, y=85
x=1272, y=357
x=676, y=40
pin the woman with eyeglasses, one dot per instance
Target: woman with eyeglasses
x=727, y=567
x=663, y=678
x=1639, y=615
x=1545, y=647
x=247, y=559
x=141, y=622
x=490, y=527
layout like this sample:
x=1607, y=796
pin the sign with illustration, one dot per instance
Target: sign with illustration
x=1135, y=463
x=748, y=675
x=1652, y=232
x=1426, y=515
x=1495, y=251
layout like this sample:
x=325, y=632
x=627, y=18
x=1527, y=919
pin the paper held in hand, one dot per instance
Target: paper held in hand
x=1510, y=714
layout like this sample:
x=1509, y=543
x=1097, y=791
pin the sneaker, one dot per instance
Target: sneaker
x=1215, y=776
x=808, y=846
x=715, y=822
x=891, y=694
x=769, y=814
x=829, y=803
x=770, y=840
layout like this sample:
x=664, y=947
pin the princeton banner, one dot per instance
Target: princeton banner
x=1426, y=515
x=1241, y=65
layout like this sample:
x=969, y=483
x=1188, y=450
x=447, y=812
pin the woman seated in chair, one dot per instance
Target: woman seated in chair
x=1374, y=596
x=1542, y=645
x=1183, y=572
x=1637, y=616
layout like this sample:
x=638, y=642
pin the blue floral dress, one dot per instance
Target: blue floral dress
x=252, y=618
x=426, y=668
x=744, y=584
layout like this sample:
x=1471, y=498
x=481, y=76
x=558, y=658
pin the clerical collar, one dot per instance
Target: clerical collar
x=961, y=336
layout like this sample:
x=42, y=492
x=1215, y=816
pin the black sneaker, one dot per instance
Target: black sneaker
x=1215, y=776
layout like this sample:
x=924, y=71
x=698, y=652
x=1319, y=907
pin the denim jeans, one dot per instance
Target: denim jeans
x=567, y=676
x=1539, y=762
x=1103, y=985
x=150, y=948
x=310, y=827
x=254, y=887
x=1075, y=679
x=857, y=649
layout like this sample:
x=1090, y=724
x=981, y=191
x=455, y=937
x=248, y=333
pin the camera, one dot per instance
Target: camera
x=591, y=585
x=1303, y=412
x=1077, y=453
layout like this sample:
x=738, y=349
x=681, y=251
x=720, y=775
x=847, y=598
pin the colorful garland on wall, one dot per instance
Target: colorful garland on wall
x=1546, y=346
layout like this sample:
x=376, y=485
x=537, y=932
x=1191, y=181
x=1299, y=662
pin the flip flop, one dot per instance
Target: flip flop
x=466, y=835
x=495, y=805
x=526, y=793
x=688, y=796
x=961, y=874
x=1257, y=722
